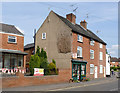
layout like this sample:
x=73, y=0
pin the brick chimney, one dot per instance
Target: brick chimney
x=83, y=24
x=71, y=17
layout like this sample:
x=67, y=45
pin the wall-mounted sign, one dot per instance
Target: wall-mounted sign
x=38, y=72
x=74, y=55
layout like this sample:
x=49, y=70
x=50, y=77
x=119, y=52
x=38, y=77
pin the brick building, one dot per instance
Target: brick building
x=114, y=62
x=29, y=48
x=12, y=53
x=76, y=50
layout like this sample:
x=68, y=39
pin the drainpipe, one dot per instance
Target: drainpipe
x=34, y=39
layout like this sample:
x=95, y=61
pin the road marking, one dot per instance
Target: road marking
x=82, y=86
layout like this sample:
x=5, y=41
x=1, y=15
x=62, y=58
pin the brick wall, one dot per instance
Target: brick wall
x=12, y=46
x=64, y=76
x=86, y=54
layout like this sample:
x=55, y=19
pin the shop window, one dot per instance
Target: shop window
x=12, y=39
x=74, y=70
x=91, y=68
x=101, y=69
x=80, y=38
x=7, y=61
x=91, y=54
x=13, y=61
x=83, y=70
x=20, y=60
x=79, y=51
x=1, y=61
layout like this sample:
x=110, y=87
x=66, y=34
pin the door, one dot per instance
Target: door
x=95, y=72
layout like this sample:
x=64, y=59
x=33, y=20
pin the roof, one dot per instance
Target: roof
x=12, y=51
x=80, y=30
x=10, y=29
x=31, y=45
x=114, y=59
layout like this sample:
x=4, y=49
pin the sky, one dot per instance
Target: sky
x=102, y=18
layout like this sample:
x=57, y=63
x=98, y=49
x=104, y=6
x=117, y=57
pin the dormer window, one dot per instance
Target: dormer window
x=80, y=38
x=12, y=39
x=92, y=42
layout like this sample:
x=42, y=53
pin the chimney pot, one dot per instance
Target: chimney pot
x=83, y=24
x=71, y=17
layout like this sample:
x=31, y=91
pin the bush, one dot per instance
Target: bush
x=34, y=63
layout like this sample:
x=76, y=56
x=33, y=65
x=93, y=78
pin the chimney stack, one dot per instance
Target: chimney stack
x=71, y=17
x=83, y=24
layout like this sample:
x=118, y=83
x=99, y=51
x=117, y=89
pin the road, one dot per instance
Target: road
x=101, y=86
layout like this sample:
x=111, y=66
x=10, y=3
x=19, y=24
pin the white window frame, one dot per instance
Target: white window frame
x=12, y=37
x=43, y=37
x=91, y=68
x=91, y=53
x=79, y=49
x=92, y=42
x=101, y=55
x=101, y=68
x=101, y=45
x=80, y=38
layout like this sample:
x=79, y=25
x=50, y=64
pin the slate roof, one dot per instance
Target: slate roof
x=80, y=30
x=9, y=29
x=114, y=59
x=31, y=45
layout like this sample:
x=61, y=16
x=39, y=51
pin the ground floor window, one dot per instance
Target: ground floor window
x=11, y=61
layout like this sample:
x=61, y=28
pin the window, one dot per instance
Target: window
x=43, y=35
x=101, y=56
x=101, y=46
x=101, y=69
x=91, y=54
x=91, y=68
x=11, y=39
x=80, y=38
x=92, y=42
x=79, y=51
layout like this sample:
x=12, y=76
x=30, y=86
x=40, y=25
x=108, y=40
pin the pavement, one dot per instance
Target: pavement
x=63, y=86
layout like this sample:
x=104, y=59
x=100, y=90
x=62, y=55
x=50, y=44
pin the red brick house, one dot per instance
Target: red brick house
x=76, y=49
x=12, y=53
x=114, y=62
x=29, y=48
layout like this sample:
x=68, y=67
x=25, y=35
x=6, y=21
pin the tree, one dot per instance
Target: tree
x=43, y=54
x=44, y=63
x=38, y=51
x=54, y=61
x=34, y=63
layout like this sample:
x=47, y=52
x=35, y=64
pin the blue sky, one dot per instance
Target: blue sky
x=102, y=17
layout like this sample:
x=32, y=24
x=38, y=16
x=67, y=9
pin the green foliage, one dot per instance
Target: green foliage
x=53, y=61
x=44, y=63
x=115, y=68
x=38, y=51
x=34, y=63
x=43, y=54
x=52, y=66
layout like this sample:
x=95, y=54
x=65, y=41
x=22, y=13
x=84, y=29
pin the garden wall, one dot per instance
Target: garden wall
x=63, y=76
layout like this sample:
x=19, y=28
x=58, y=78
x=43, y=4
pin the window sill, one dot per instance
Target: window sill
x=12, y=42
x=80, y=41
x=80, y=57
